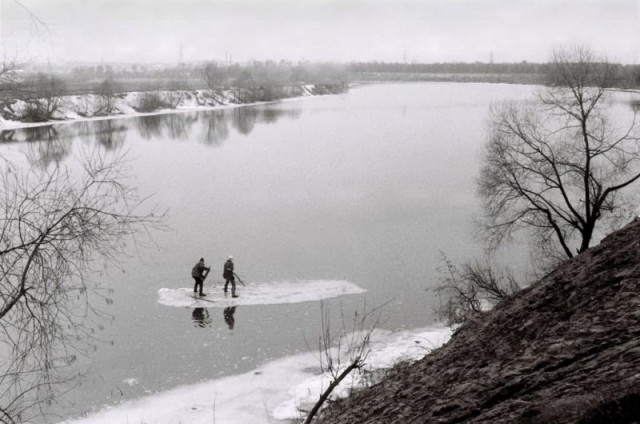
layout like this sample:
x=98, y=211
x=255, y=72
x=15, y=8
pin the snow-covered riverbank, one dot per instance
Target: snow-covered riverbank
x=91, y=107
x=276, y=391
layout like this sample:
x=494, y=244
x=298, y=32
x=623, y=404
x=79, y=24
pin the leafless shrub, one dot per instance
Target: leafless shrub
x=8, y=73
x=174, y=93
x=150, y=101
x=343, y=351
x=470, y=289
x=107, y=92
x=43, y=97
x=214, y=76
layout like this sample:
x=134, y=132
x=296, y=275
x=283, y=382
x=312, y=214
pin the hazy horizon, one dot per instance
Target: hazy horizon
x=342, y=31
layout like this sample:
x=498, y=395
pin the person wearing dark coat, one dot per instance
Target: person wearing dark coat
x=198, y=274
x=229, y=277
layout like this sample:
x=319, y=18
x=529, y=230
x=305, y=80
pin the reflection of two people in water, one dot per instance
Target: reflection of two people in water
x=201, y=318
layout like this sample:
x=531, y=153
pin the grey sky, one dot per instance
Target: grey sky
x=337, y=30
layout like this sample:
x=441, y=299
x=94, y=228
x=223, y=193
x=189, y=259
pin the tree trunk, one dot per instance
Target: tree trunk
x=355, y=364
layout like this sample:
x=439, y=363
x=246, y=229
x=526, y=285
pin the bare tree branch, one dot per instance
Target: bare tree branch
x=54, y=224
x=553, y=166
x=344, y=351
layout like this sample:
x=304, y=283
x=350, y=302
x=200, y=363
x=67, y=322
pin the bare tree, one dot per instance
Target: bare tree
x=174, y=93
x=55, y=224
x=8, y=69
x=44, y=97
x=343, y=351
x=214, y=76
x=473, y=287
x=559, y=165
x=107, y=92
x=151, y=100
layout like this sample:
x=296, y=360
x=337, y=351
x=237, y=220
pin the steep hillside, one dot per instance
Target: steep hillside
x=565, y=350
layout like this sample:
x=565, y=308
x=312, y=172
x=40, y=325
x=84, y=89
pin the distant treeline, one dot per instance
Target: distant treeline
x=625, y=76
x=36, y=95
x=265, y=80
x=270, y=78
x=212, y=75
x=455, y=67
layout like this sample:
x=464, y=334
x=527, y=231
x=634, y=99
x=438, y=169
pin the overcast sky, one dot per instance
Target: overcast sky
x=333, y=30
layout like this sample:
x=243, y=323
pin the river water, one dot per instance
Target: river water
x=370, y=186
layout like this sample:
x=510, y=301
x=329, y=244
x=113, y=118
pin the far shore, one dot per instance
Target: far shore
x=8, y=125
x=195, y=101
x=69, y=116
x=78, y=108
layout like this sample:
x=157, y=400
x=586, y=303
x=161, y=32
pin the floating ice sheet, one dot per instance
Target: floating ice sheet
x=259, y=293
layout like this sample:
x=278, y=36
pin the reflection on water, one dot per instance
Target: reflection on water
x=110, y=134
x=229, y=318
x=177, y=126
x=52, y=144
x=201, y=318
x=216, y=128
x=53, y=148
x=149, y=126
x=243, y=120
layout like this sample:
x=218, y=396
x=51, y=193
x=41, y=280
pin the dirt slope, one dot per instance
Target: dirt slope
x=565, y=350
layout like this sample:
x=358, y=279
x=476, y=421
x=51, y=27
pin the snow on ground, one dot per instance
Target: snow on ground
x=85, y=107
x=130, y=381
x=260, y=293
x=270, y=393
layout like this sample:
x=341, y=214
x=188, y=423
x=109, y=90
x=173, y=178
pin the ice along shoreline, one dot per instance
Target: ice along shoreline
x=262, y=396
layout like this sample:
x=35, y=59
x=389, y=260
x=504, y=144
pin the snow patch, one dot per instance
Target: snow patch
x=264, y=394
x=89, y=107
x=130, y=381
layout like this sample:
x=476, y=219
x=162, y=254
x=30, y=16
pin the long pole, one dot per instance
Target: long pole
x=239, y=279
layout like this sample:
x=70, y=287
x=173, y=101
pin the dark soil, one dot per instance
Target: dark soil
x=564, y=350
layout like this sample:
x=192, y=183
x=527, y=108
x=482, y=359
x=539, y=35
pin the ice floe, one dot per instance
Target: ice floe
x=259, y=293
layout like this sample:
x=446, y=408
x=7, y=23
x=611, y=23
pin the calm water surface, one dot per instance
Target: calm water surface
x=368, y=186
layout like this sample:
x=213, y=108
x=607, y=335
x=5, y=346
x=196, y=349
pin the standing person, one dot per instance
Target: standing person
x=197, y=272
x=229, y=276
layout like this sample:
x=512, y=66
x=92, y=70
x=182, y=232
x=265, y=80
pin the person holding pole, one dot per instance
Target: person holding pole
x=198, y=274
x=229, y=276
